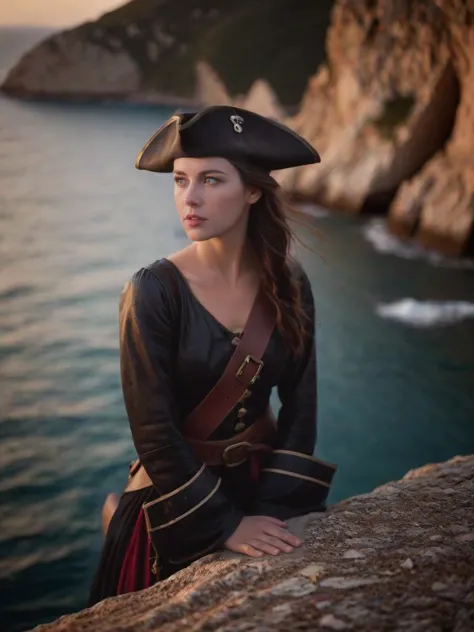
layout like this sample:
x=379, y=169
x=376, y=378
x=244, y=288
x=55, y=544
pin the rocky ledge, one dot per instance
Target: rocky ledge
x=398, y=558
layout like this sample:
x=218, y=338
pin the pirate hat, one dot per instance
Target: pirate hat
x=226, y=132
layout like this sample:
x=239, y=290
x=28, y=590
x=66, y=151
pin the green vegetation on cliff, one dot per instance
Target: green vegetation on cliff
x=278, y=40
x=396, y=111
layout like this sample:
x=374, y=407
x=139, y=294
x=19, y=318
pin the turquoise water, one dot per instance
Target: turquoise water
x=76, y=220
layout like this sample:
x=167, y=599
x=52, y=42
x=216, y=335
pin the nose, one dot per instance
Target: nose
x=192, y=197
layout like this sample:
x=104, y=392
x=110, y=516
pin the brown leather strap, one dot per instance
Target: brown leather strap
x=229, y=452
x=234, y=451
x=241, y=372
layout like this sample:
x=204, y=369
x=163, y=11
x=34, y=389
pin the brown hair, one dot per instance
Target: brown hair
x=271, y=237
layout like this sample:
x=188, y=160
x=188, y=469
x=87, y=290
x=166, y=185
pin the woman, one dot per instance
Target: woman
x=205, y=334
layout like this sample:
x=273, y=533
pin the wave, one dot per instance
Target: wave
x=426, y=313
x=376, y=232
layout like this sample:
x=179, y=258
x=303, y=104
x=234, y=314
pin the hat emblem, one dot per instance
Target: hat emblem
x=237, y=121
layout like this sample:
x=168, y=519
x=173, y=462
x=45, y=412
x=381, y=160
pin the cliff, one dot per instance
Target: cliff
x=392, y=115
x=390, y=111
x=398, y=558
x=148, y=51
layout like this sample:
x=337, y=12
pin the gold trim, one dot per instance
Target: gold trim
x=187, y=513
x=302, y=476
x=177, y=490
x=147, y=520
x=306, y=456
x=174, y=118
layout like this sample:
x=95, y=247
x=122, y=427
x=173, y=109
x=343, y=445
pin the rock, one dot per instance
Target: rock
x=365, y=543
x=435, y=552
x=355, y=613
x=420, y=603
x=393, y=119
x=210, y=89
x=438, y=203
x=149, y=51
x=408, y=563
x=456, y=529
x=312, y=571
x=415, y=531
x=280, y=613
x=330, y=621
x=348, y=582
x=97, y=70
x=465, y=537
x=321, y=605
x=229, y=593
x=294, y=587
x=353, y=554
x=262, y=99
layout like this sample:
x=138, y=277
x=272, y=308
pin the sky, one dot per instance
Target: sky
x=53, y=12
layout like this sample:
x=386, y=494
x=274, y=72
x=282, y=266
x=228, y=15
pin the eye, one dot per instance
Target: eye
x=211, y=180
x=180, y=181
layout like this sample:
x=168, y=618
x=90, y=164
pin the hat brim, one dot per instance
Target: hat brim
x=212, y=132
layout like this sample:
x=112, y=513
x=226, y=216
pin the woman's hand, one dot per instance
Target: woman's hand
x=257, y=535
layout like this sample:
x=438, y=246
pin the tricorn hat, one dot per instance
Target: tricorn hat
x=226, y=132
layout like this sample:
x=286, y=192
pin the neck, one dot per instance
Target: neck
x=229, y=256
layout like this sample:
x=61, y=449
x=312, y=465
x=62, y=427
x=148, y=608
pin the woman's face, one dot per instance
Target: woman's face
x=210, y=197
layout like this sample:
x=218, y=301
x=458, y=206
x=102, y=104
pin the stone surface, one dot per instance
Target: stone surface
x=330, y=621
x=316, y=588
x=399, y=83
x=408, y=563
x=353, y=554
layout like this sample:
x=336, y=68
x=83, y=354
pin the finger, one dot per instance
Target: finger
x=276, y=521
x=286, y=536
x=249, y=550
x=260, y=545
x=277, y=543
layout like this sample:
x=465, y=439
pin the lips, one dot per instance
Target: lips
x=193, y=221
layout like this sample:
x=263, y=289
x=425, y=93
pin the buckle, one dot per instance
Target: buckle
x=247, y=361
x=236, y=454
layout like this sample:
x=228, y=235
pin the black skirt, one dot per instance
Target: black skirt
x=127, y=556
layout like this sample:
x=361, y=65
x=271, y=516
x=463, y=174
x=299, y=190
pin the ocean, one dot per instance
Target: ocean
x=395, y=336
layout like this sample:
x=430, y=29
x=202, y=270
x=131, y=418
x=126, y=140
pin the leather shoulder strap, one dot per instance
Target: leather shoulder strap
x=241, y=372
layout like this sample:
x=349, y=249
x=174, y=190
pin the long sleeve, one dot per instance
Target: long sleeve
x=191, y=516
x=292, y=481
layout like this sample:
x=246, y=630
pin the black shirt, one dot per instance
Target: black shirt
x=173, y=351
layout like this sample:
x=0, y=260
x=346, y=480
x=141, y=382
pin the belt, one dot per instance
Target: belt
x=235, y=451
x=228, y=452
